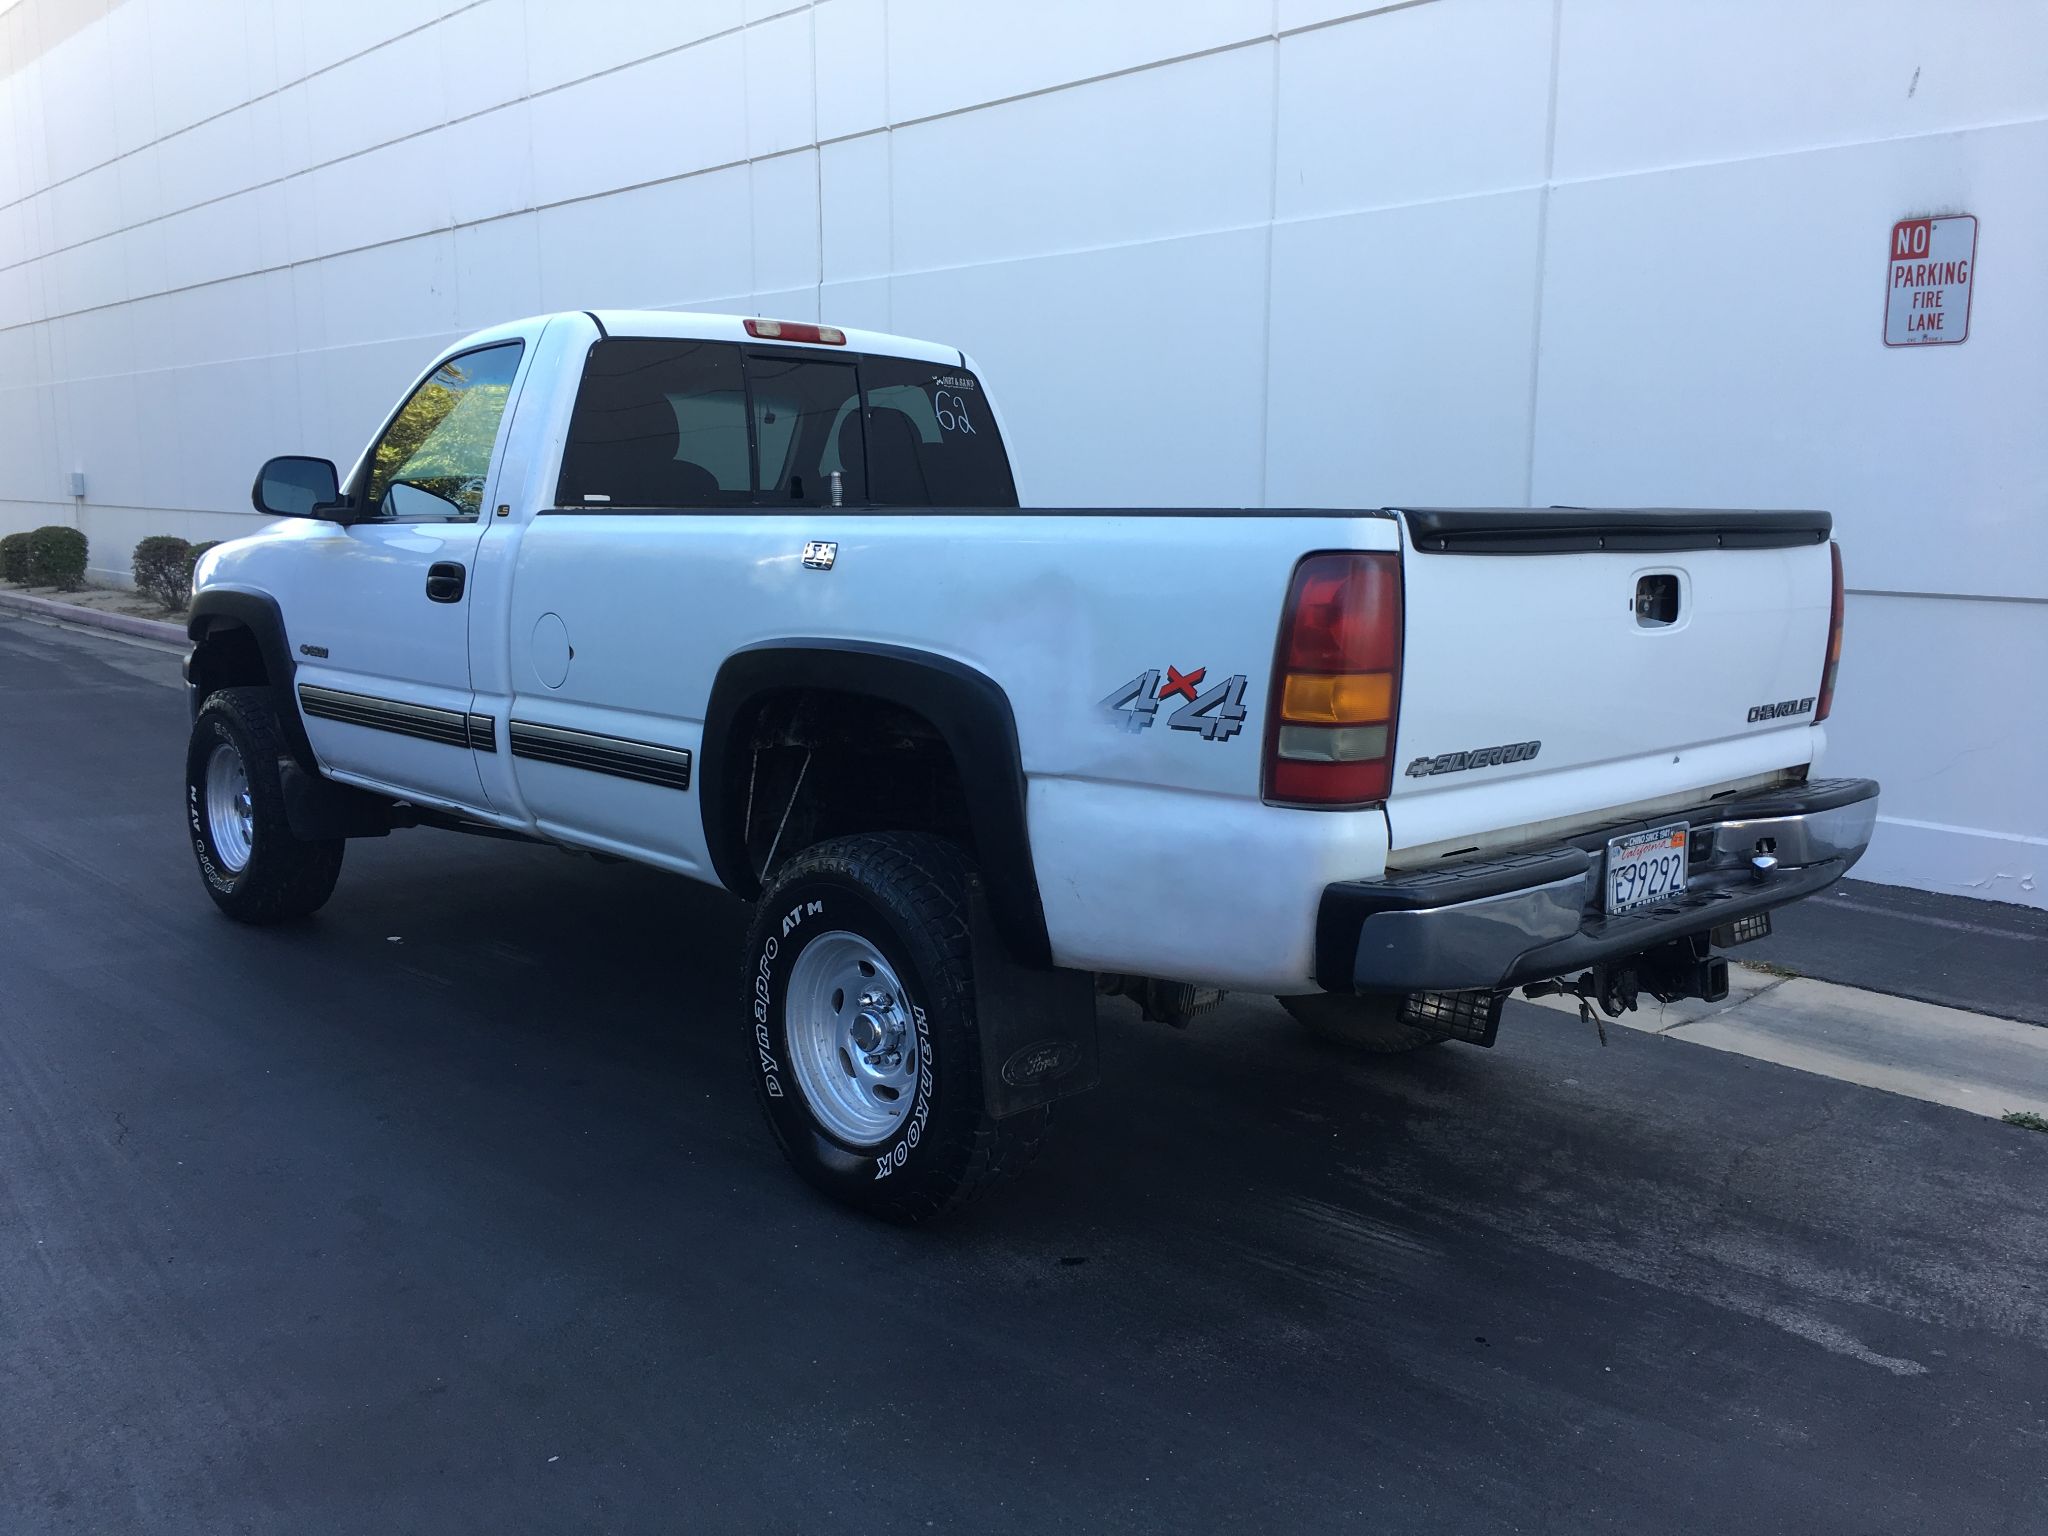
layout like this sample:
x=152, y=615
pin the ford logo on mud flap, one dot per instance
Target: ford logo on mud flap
x=1041, y=1062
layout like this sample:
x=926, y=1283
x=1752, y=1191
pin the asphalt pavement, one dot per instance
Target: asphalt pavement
x=449, y=1211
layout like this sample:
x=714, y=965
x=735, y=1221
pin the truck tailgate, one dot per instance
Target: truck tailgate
x=1560, y=664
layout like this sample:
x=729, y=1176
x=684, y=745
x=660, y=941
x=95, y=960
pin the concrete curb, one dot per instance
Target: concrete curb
x=91, y=618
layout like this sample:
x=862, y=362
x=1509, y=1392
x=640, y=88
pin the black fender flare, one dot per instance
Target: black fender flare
x=967, y=707
x=224, y=608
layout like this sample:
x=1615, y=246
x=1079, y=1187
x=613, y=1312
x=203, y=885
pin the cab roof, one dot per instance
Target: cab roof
x=691, y=326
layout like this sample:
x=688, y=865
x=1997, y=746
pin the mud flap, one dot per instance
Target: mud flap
x=318, y=809
x=1037, y=1025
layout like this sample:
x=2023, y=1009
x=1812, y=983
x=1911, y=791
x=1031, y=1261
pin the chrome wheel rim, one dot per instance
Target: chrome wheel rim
x=852, y=1040
x=230, y=819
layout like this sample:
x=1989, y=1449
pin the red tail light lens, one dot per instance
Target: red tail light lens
x=1336, y=683
x=1834, y=657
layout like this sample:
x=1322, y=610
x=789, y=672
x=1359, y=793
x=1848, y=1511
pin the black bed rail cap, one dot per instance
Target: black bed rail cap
x=1577, y=530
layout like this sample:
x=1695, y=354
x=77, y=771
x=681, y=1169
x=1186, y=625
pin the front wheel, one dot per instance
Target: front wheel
x=255, y=870
x=867, y=1053
x=1371, y=1025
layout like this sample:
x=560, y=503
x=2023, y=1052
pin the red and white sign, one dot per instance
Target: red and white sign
x=1927, y=289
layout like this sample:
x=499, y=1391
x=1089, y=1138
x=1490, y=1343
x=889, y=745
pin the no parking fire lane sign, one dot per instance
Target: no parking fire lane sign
x=1927, y=292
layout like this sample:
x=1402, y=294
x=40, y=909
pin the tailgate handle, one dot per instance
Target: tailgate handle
x=1656, y=603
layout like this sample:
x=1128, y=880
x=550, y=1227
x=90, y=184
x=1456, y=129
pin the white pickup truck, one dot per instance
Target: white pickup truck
x=756, y=602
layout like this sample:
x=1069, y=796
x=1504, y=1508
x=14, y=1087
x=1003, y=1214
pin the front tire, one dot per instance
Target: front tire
x=255, y=870
x=867, y=1052
x=1370, y=1025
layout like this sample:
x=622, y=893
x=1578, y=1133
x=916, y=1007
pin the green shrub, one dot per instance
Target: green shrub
x=192, y=558
x=14, y=559
x=56, y=558
x=163, y=570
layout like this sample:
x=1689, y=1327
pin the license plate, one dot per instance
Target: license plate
x=1645, y=868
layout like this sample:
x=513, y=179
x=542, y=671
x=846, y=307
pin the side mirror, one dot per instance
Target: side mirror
x=296, y=487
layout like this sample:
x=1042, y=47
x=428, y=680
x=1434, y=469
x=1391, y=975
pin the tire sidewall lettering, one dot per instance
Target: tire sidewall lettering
x=765, y=980
x=202, y=840
x=888, y=1162
x=774, y=957
x=764, y=1001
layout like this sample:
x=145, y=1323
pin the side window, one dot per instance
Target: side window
x=806, y=425
x=658, y=423
x=431, y=462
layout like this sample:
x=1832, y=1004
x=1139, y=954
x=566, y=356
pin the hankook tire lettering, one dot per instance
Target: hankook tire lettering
x=889, y=1161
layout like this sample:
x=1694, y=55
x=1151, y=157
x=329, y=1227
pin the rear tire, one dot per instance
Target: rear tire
x=255, y=870
x=867, y=1052
x=1370, y=1025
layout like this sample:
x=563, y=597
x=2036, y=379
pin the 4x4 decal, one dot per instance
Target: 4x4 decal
x=1217, y=713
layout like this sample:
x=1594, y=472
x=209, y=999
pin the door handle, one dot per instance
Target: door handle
x=444, y=582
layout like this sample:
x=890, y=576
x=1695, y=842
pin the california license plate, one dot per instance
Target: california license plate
x=1645, y=868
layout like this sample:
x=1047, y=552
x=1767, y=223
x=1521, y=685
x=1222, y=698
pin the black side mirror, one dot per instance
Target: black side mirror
x=297, y=487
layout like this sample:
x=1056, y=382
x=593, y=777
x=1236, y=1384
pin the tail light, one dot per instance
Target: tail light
x=1336, y=683
x=796, y=330
x=1834, y=658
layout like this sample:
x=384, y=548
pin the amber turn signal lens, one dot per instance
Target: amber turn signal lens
x=1350, y=699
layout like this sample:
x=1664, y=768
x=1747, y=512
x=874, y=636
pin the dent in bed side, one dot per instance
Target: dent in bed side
x=969, y=710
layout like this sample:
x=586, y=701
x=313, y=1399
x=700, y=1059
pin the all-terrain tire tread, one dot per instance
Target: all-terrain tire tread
x=307, y=871
x=932, y=879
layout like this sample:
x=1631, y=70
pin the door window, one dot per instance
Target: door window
x=431, y=463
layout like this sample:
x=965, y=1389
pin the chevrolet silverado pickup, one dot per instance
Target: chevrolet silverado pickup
x=757, y=602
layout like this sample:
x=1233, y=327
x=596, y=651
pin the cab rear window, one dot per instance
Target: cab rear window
x=930, y=438
x=671, y=424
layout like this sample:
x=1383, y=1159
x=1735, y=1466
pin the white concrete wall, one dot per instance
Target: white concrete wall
x=1212, y=251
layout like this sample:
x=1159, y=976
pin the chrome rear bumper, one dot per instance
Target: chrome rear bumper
x=1497, y=923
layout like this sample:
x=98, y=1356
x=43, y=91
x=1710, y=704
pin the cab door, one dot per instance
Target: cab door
x=381, y=623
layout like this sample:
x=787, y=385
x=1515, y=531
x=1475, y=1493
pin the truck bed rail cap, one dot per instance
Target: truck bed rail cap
x=1576, y=530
